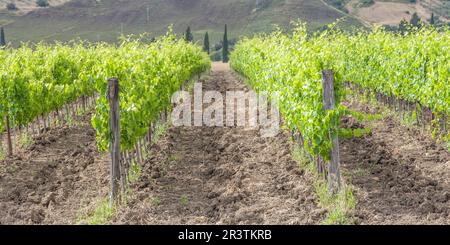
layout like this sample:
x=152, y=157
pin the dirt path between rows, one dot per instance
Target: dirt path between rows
x=217, y=175
x=400, y=174
x=57, y=177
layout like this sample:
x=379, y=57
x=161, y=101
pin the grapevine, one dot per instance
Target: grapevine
x=36, y=80
x=414, y=67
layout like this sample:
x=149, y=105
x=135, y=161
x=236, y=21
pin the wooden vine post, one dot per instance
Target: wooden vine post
x=114, y=114
x=329, y=102
x=444, y=124
x=8, y=136
x=83, y=103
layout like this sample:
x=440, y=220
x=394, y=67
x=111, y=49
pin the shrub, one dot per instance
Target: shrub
x=42, y=3
x=366, y=3
x=11, y=6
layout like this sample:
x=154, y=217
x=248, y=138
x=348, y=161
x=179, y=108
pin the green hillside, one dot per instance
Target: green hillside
x=105, y=20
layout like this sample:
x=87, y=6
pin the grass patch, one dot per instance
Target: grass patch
x=11, y=169
x=184, y=200
x=173, y=158
x=365, y=117
x=155, y=201
x=2, y=152
x=408, y=118
x=25, y=141
x=69, y=120
x=160, y=130
x=338, y=206
x=134, y=172
x=354, y=133
x=302, y=159
x=80, y=112
x=357, y=172
x=101, y=214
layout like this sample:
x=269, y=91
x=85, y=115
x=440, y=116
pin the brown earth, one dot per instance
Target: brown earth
x=216, y=175
x=400, y=174
x=231, y=175
x=54, y=179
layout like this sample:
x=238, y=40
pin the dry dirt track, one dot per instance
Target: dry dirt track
x=215, y=175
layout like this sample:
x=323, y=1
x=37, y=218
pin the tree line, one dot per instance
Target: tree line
x=224, y=45
x=417, y=22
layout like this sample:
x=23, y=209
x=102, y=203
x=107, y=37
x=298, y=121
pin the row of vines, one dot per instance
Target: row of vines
x=413, y=67
x=39, y=79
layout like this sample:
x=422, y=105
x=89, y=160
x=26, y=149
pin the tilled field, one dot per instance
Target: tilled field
x=228, y=175
x=220, y=175
x=54, y=179
x=400, y=174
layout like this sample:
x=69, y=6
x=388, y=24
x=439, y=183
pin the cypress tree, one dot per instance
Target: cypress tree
x=2, y=38
x=415, y=20
x=432, y=19
x=225, y=46
x=206, y=43
x=189, y=37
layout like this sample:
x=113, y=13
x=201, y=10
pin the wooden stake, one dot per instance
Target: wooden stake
x=114, y=114
x=334, y=175
x=14, y=133
x=83, y=103
x=444, y=124
x=8, y=136
x=33, y=128
x=138, y=153
x=150, y=134
x=128, y=159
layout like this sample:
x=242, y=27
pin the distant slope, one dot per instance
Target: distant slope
x=392, y=12
x=106, y=19
x=25, y=6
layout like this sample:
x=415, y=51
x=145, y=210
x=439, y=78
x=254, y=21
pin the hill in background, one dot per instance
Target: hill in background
x=26, y=6
x=392, y=12
x=105, y=20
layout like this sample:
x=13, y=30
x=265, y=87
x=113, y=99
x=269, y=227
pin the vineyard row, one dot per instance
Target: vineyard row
x=411, y=69
x=43, y=79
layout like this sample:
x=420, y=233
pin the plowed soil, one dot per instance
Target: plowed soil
x=228, y=175
x=54, y=179
x=207, y=175
x=400, y=174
